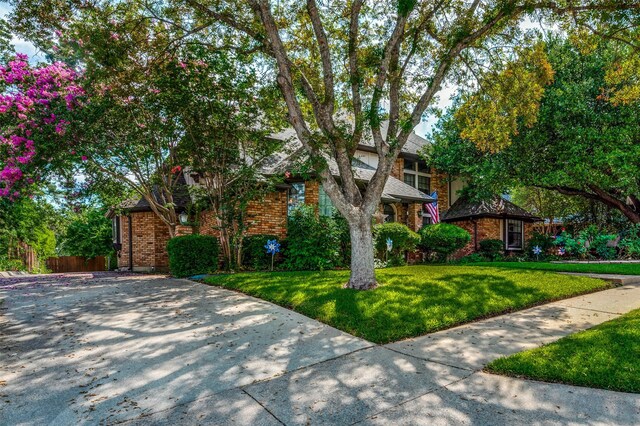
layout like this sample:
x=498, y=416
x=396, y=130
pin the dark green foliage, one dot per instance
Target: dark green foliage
x=88, y=235
x=403, y=238
x=578, y=130
x=312, y=241
x=630, y=244
x=344, y=239
x=544, y=241
x=254, y=255
x=492, y=249
x=29, y=221
x=443, y=239
x=193, y=254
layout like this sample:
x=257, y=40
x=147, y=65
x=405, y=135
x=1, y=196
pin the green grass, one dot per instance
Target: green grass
x=606, y=356
x=409, y=301
x=593, y=268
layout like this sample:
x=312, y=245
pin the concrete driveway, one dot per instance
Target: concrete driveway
x=108, y=348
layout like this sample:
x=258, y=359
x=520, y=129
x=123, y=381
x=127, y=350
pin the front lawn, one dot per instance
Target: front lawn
x=592, y=268
x=410, y=301
x=606, y=356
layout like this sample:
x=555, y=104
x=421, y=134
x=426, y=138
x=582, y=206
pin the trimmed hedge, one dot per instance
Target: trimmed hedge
x=443, y=239
x=193, y=254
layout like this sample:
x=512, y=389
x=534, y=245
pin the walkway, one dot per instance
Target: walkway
x=149, y=350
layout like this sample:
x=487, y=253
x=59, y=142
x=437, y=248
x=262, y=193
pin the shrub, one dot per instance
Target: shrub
x=545, y=242
x=630, y=244
x=312, y=241
x=11, y=264
x=403, y=238
x=193, y=254
x=572, y=246
x=344, y=239
x=443, y=239
x=600, y=246
x=254, y=255
x=492, y=249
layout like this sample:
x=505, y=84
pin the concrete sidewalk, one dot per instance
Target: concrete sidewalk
x=152, y=350
x=436, y=379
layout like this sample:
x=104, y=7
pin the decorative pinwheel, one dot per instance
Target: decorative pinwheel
x=273, y=247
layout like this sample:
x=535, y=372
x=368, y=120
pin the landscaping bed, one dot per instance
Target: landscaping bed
x=409, y=301
x=591, y=268
x=606, y=356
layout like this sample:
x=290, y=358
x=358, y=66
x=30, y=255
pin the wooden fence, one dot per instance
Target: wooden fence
x=76, y=264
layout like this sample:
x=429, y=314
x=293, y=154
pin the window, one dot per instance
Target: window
x=296, y=196
x=389, y=213
x=325, y=206
x=418, y=175
x=410, y=179
x=424, y=184
x=426, y=219
x=115, y=230
x=514, y=234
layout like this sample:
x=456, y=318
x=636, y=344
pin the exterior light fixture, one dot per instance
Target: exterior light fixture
x=184, y=218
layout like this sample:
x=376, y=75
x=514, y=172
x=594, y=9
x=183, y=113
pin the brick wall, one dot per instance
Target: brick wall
x=397, y=170
x=150, y=236
x=488, y=228
x=440, y=183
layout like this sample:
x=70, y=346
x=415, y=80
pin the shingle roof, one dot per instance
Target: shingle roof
x=293, y=153
x=494, y=207
x=412, y=147
x=181, y=199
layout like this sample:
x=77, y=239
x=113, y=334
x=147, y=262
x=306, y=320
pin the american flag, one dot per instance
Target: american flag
x=432, y=208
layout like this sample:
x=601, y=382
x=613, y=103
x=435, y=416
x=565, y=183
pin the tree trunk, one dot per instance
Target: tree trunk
x=363, y=276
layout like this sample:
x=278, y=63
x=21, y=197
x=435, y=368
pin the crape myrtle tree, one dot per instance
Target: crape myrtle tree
x=226, y=141
x=584, y=144
x=338, y=63
x=36, y=104
x=161, y=107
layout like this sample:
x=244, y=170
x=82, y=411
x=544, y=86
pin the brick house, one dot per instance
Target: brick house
x=142, y=237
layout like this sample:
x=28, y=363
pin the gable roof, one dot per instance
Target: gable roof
x=181, y=199
x=410, y=149
x=495, y=206
x=293, y=153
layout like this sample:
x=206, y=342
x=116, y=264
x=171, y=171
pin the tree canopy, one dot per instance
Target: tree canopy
x=582, y=143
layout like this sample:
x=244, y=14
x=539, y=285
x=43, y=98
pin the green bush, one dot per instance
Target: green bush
x=312, y=241
x=11, y=264
x=600, y=245
x=492, y=250
x=544, y=241
x=254, y=255
x=443, y=239
x=403, y=238
x=344, y=239
x=630, y=244
x=193, y=254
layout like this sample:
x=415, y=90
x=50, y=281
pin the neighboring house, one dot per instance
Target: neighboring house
x=142, y=237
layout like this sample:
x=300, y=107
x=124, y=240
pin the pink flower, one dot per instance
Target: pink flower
x=115, y=36
x=84, y=158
